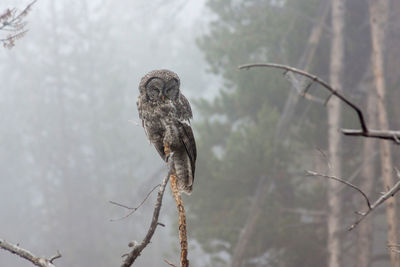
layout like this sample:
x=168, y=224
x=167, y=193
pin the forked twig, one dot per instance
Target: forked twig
x=390, y=193
x=130, y=208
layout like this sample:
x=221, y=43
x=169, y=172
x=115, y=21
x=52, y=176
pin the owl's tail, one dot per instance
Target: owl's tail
x=184, y=172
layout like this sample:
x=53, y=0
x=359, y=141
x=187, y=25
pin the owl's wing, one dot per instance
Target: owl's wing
x=186, y=109
x=187, y=139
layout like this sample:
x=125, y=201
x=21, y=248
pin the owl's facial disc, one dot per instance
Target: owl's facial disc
x=154, y=89
x=171, y=89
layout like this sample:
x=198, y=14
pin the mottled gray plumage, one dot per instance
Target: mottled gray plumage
x=165, y=113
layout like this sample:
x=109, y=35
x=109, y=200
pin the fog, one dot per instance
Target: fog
x=70, y=132
x=72, y=141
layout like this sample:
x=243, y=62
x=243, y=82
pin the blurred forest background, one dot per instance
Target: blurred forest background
x=71, y=140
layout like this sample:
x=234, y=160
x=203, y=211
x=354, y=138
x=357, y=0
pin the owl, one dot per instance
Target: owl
x=165, y=113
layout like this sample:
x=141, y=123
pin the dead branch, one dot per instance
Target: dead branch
x=388, y=135
x=381, y=134
x=23, y=253
x=386, y=195
x=137, y=249
x=390, y=193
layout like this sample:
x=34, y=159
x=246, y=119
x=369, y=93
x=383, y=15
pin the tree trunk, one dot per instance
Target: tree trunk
x=378, y=18
x=334, y=149
x=247, y=231
x=364, y=230
x=304, y=63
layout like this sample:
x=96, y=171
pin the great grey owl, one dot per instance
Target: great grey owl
x=165, y=113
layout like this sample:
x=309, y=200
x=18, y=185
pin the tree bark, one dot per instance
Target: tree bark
x=378, y=17
x=334, y=148
x=184, y=262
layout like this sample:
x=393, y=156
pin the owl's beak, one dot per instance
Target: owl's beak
x=163, y=98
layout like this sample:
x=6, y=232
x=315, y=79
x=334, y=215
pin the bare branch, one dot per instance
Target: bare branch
x=383, y=134
x=317, y=80
x=23, y=253
x=137, y=249
x=390, y=193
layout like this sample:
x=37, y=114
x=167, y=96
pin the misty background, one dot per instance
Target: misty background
x=71, y=137
x=71, y=140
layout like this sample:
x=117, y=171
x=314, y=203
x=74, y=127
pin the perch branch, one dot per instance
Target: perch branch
x=381, y=134
x=390, y=193
x=182, y=222
x=137, y=249
x=184, y=262
x=23, y=253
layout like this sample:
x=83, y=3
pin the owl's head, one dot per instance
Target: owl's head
x=160, y=85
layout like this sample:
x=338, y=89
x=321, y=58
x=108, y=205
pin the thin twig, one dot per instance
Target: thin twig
x=170, y=263
x=325, y=157
x=130, y=208
x=23, y=253
x=312, y=173
x=58, y=255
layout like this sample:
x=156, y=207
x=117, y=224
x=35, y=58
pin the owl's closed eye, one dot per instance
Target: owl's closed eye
x=172, y=90
x=154, y=89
